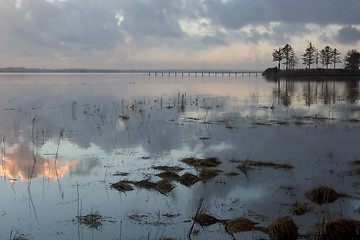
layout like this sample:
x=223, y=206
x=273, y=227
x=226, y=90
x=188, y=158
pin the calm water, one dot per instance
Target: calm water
x=65, y=138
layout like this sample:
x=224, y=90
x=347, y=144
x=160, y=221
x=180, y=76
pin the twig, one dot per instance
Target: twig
x=197, y=213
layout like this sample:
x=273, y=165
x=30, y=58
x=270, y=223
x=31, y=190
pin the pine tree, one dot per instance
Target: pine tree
x=309, y=55
x=352, y=59
x=326, y=56
x=335, y=57
x=278, y=56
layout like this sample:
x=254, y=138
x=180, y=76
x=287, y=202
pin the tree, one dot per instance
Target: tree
x=288, y=51
x=317, y=57
x=326, y=56
x=352, y=59
x=309, y=55
x=293, y=60
x=335, y=58
x=278, y=56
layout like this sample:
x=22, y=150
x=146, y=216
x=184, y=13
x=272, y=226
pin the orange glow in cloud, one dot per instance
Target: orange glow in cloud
x=21, y=162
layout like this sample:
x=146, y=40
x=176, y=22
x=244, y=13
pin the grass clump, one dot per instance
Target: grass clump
x=339, y=229
x=188, y=179
x=231, y=174
x=168, y=175
x=247, y=165
x=283, y=228
x=163, y=186
x=207, y=173
x=300, y=208
x=92, y=220
x=205, y=219
x=240, y=225
x=206, y=162
x=122, y=186
x=168, y=168
x=323, y=195
x=270, y=164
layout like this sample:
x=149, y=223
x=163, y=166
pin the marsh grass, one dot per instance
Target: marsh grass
x=207, y=173
x=323, y=195
x=168, y=175
x=122, y=186
x=299, y=208
x=338, y=229
x=168, y=168
x=283, y=228
x=248, y=165
x=198, y=163
x=188, y=179
x=231, y=174
x=163, y=186
x=241, y=225
x=205, y=219
x=16, y=235
x=92, y=220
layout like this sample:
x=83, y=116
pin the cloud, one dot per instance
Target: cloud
x=96, y=32
x=348, y=35
x=213, y=40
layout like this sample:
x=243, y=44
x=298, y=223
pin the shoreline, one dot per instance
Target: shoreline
x=275, y=72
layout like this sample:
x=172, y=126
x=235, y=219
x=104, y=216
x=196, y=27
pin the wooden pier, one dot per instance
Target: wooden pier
x=203, y=73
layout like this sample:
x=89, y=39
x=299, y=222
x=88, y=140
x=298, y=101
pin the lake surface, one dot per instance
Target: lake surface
x=65, y=138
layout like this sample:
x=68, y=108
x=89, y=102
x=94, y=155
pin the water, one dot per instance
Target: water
x=65, y=138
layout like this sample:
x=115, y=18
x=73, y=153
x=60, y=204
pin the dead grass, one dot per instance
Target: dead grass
x=248, y=165
x=323, y=195
x=240, y=225
x=188, y=179
x=283, y=228
x=355, y=162
x=300, y=208
x=122, y=186
x=206, y=162
x=92, y=220
x=168, y=175
x=207, y=173
x=270, y=164
x=163, y=186
x=338, y=229
x=168, y=168
x=205, y=219
x=231, y=174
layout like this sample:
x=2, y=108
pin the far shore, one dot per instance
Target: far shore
x=318, y=72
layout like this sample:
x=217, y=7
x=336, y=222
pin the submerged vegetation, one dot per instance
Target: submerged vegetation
x=92, y=220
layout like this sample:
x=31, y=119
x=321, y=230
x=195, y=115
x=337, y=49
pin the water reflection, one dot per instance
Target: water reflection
x=316, y=90
x=88, y=131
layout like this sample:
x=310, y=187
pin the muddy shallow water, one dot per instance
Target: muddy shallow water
x=66, y=138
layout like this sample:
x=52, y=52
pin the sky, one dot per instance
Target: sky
x=170, y=34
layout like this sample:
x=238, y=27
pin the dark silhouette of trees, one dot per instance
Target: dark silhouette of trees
x=309, y=55
x=335, y=57
x=286, y=54
x=289, y=55
x=278, y=56
x=326, y=56
x=352, y=60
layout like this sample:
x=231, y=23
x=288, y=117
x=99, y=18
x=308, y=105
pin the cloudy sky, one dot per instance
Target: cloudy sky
x=170, y=34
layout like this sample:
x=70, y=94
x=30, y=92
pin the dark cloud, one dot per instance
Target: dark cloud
x=348, y=35
x=88, y=31
x=158, y=18
x=236, y=14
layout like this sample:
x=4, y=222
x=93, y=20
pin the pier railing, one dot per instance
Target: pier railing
x=203, y=73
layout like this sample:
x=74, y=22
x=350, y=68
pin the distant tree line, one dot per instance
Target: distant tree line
x=327, y=56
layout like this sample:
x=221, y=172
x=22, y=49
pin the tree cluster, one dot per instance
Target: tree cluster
x=326, y=56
